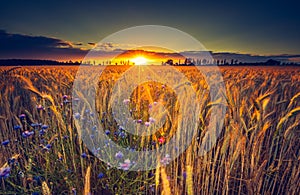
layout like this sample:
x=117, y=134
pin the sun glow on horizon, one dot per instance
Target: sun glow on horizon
x=139, y=60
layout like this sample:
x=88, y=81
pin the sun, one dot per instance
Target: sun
x=139, y=60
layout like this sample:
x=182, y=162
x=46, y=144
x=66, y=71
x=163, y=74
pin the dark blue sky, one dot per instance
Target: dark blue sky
x=254, y=27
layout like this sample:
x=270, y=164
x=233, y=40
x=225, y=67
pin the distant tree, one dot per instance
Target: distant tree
x=169, y=62
x=272, y=62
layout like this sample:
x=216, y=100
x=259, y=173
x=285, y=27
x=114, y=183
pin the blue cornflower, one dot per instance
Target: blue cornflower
x=45, y=126
x=34, y=125
x=150, y=174
x=122, y=134
x=83, y=155
x=48, y=146
x=17, y=127
x=77, y=115
x=26, y=134
x=5, y=143
x=42, y=132
x=94, y=128
x=121, y=128
x=107, y=132
x=37, y=178
x=100, y=175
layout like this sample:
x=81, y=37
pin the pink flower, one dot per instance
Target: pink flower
x=161, y=140
x=126, y=165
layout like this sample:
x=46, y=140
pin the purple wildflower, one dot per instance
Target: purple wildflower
x=166, y=160
x=22, y=116
x=152, y=188
x=147, y=124
x=184, y=175
x=94, y=128
x=119, y=155
x=4, y=172
x=126, y=101
x=139, y=121
x=107, y=132
x=151, y=120
x=65, y=97
x=122, y=134
x=74, y=191
x=39, y=107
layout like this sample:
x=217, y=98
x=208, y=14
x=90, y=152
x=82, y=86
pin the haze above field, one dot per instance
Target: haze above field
x=55, y=30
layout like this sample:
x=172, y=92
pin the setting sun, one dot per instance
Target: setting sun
x=140, y=60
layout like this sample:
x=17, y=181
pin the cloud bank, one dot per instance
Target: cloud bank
x=19, y=46
x=37, y=47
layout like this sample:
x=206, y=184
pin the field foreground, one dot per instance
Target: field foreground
x=257, y=151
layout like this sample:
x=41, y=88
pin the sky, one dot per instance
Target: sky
x=67, y=29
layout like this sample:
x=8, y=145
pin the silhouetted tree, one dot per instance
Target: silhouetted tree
x=169, y=62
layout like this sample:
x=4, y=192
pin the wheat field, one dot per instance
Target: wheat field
x=257, y=152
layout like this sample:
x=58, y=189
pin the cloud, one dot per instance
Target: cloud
x=37, y=47
x=20, y=46
x=91, y=43
x=78, y=44
x=109, y=46
x=228, y=56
